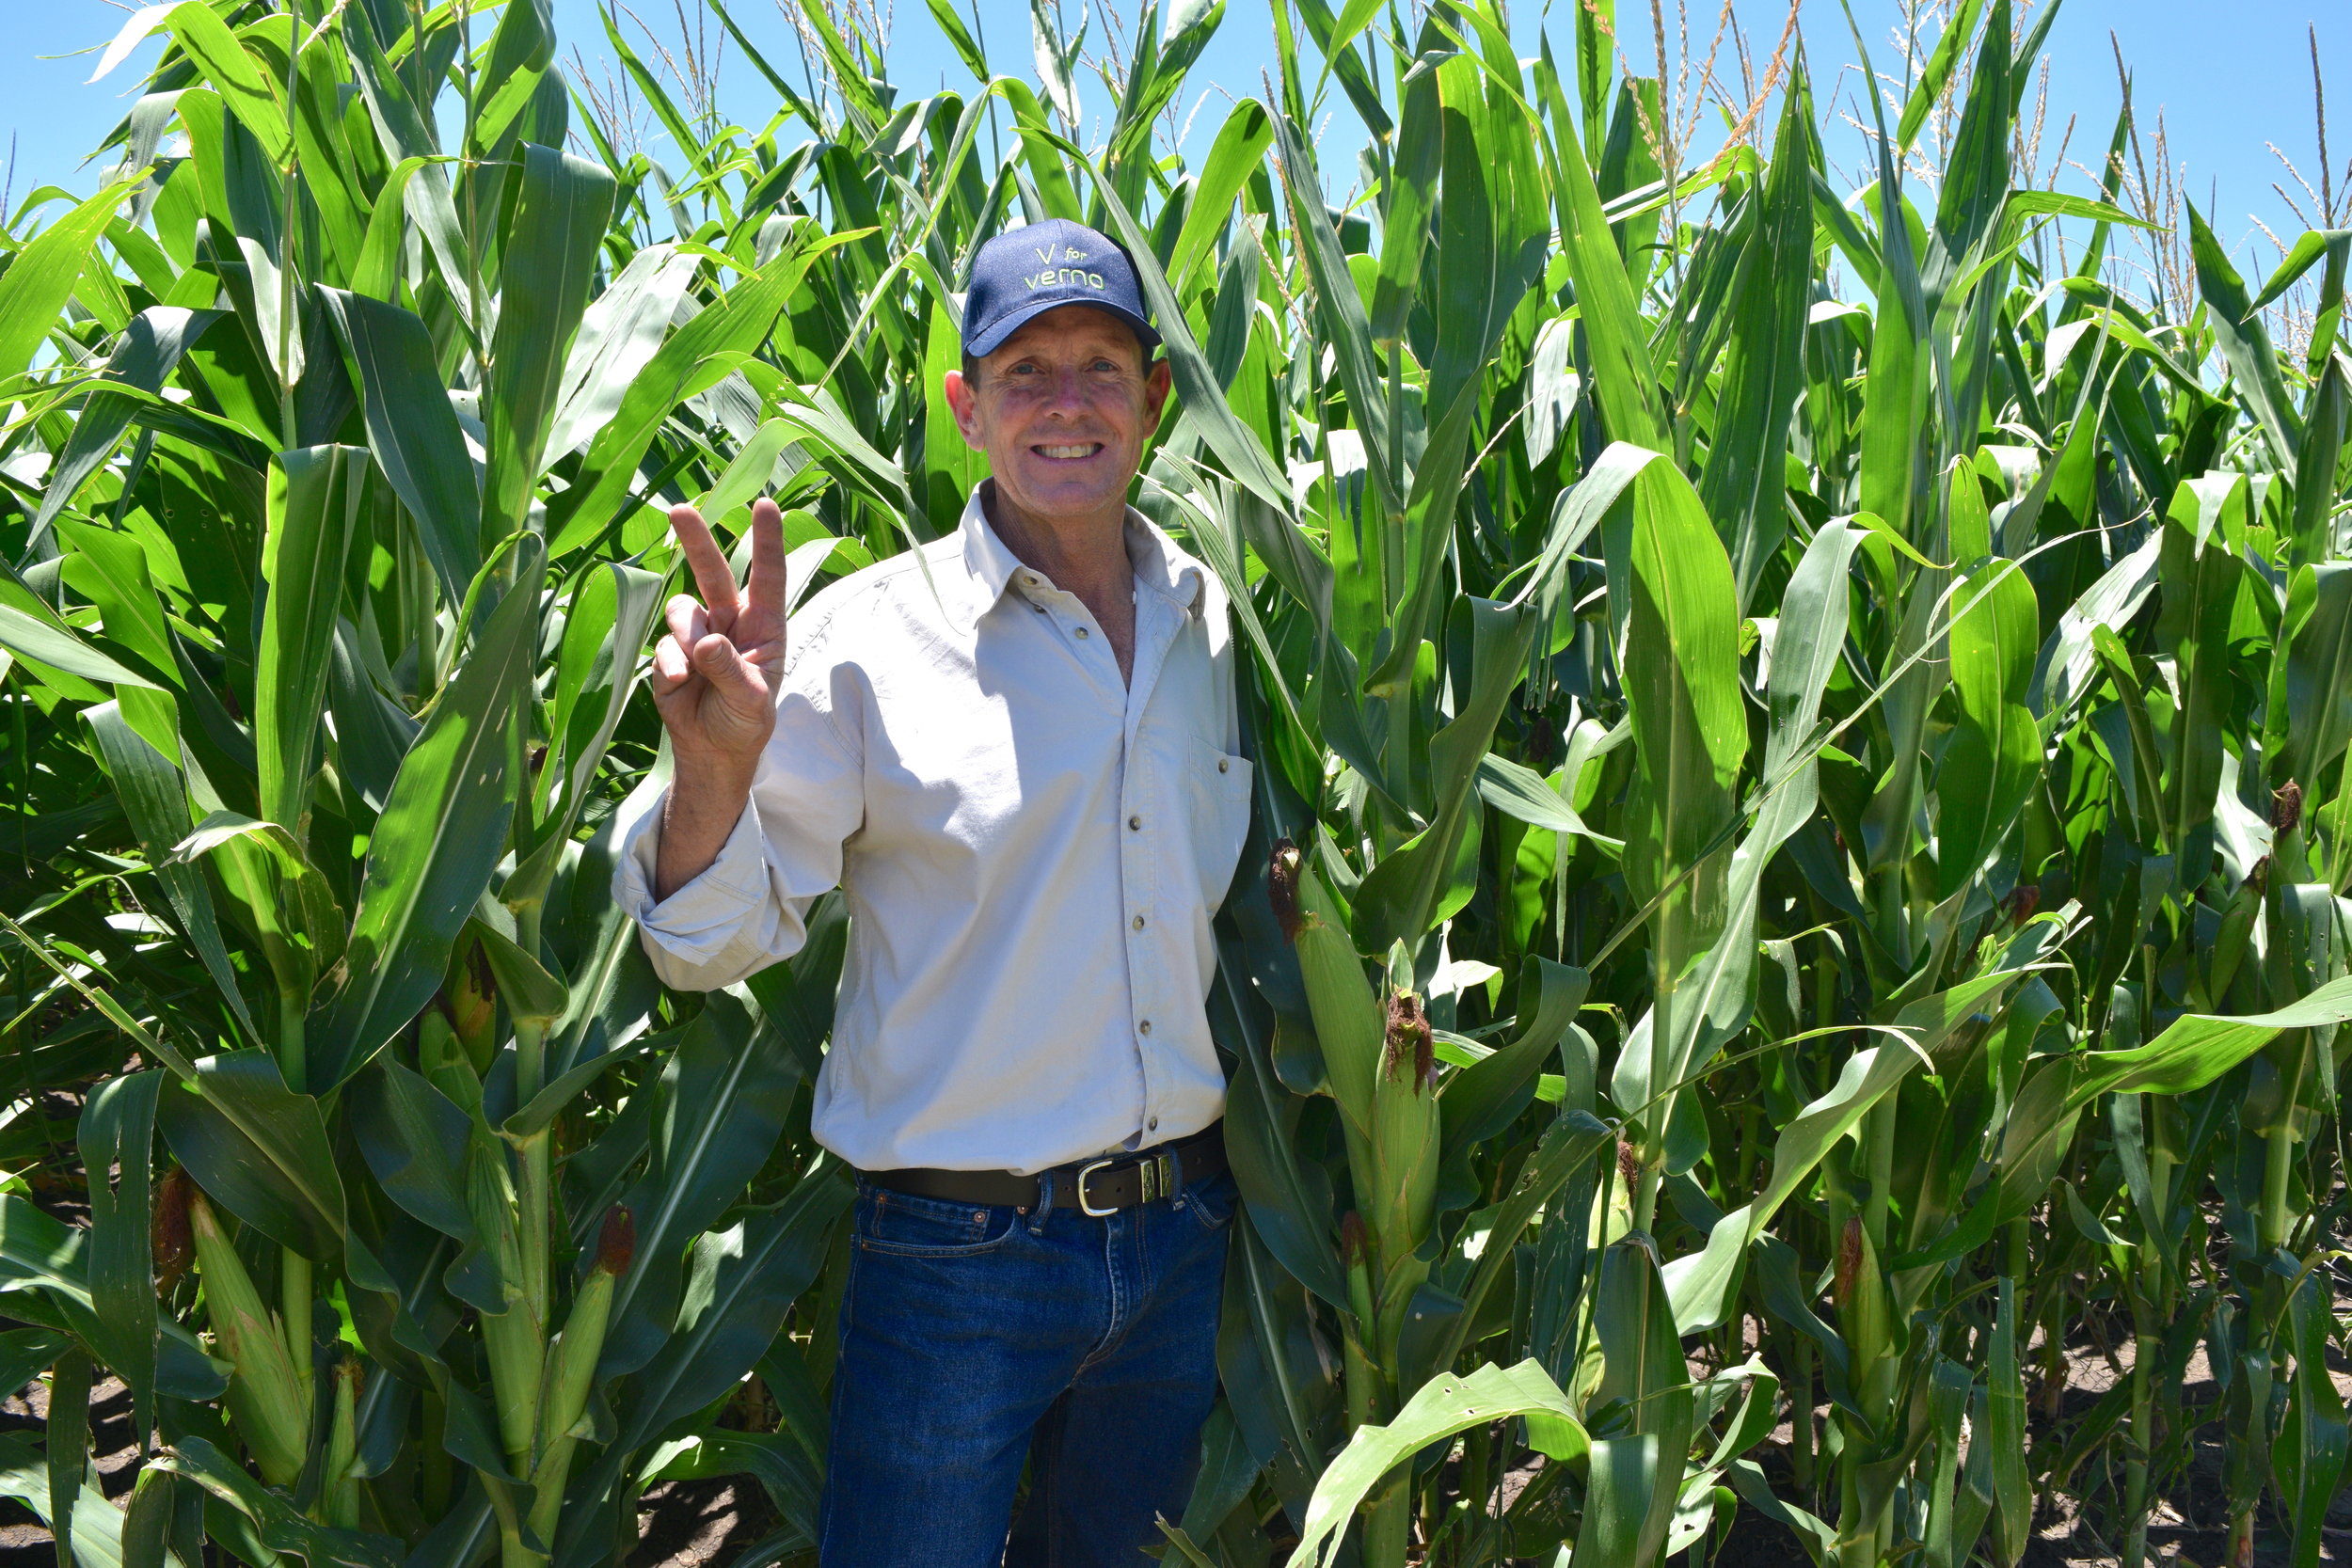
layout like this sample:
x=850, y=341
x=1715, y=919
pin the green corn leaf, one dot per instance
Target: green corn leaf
x=695, y=358
x=1626, y=1476
x=414, y=1140
x=1642, y=1366
x=1716, y=1001
x=2191, y=1051
x=412, y=431
x=257, y=1148
x=2202, y=580
x=2012, y=1494
x=43, y=645
x=731, y=1084
x=1996, y=755
x=2311, y=531
x=111, y=570
x=1288, y=1197
x=745, y=1279
x=960, y=37
x=2314, y=1440
x=951, y=467
x=549, y=1103
x=1479, y=1102
x=144, y=357
x=1668, y=569
x=67, y=1439
x=561, y=207
x=234, y=72
x=116, y=1141
x=313, y=513
x=1346, y=329
x=1238, y=152
x=1573, y=1139
x=1444, y=1406
x=2244, y=343
x=528, y=992
x=1490, y=241
x=1704, y=1284
x=436, y=841
x=1423, y=881
x=40, y=278
x=148, y=1518
x=1741, y=485
x=1519, y=793
x=1411, y=197
x=276, y=893
x=1624, y=376
x=149, y=788
x=2318, y=706
x=46, y=1258
x=1937, y=72
x=275, y=1523
x=619, y=332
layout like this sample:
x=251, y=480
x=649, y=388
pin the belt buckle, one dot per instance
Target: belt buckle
x=1085, y=1206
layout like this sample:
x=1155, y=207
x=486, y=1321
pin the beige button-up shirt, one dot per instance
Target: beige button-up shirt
x=1031, y=850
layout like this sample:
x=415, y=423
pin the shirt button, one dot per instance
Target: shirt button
x=1223, y=766
x=1138, y=923
x=1134, y=824
x=1144, y=1028
x=1081, y=631
x=1151, y=1126
x=1038, y=607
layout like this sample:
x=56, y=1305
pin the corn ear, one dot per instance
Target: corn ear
x=339, y=1493
x=266, y=1399
x=572, y=1368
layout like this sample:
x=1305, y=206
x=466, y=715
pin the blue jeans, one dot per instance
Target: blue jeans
x=973, y=1339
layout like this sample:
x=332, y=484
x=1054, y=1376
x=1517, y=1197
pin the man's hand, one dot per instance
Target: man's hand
x=714, y=683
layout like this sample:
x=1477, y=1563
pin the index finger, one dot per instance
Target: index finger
x=713, y=574
x=765, y=590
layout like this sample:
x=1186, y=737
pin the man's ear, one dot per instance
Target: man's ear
x=1155, y=387
x=964, y=403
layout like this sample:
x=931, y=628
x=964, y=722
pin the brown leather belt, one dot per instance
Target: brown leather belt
x=1102, y=1186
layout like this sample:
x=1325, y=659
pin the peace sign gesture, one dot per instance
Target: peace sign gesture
x=714, y=675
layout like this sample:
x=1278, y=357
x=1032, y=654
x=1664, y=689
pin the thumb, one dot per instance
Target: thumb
x=717, y=661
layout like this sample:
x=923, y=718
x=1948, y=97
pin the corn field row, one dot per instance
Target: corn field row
x=1801, y=802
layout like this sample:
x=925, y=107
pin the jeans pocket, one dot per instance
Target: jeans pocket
x=905, y=1226
x=1212, y=1199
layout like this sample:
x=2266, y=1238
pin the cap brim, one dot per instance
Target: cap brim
x=993, y=338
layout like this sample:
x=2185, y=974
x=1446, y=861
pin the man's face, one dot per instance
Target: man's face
x=1062, y=409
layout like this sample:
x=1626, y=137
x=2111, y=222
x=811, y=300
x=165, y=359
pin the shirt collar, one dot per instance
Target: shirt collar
x=989, y=564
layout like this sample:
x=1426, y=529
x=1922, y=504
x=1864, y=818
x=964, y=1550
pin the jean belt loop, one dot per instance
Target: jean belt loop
x=1044, y=1209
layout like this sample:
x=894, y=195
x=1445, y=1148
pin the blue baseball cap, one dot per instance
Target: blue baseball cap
x=1026, y=272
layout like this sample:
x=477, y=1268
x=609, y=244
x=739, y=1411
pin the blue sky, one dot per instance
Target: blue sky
x=2229, y=79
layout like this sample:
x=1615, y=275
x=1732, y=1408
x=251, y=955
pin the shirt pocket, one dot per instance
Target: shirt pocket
x=1220, y=818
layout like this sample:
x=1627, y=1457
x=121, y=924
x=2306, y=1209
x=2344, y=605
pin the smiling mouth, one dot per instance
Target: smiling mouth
x=1070, y=451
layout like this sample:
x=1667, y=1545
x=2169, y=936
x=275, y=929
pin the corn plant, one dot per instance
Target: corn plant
x=1802, y=792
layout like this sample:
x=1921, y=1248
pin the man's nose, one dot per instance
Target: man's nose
x=1068, y=394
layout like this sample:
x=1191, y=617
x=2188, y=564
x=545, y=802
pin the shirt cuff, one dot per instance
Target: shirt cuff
x=702, y=920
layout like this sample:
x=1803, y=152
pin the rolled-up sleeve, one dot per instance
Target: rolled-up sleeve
x=749, y=908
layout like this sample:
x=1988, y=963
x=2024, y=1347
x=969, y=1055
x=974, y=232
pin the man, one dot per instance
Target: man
x=1017, y=756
